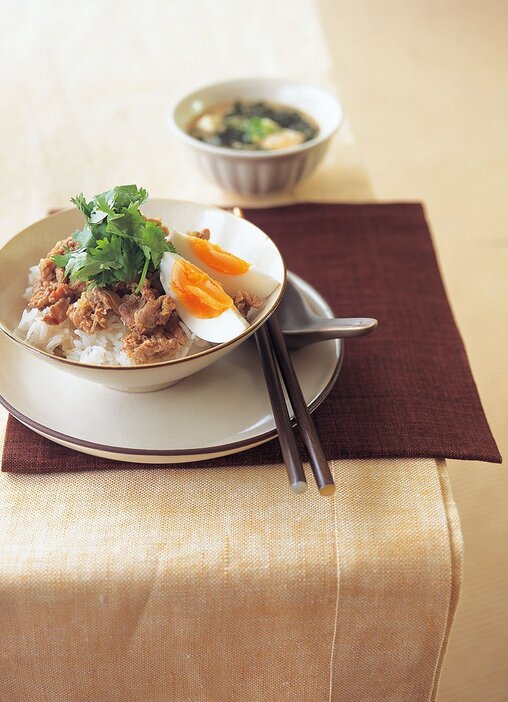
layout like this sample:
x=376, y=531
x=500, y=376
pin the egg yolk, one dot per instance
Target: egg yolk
x=216, y=258
x=201, y=295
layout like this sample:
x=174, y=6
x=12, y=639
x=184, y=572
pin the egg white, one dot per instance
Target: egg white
x=217, y=330
x=252, y=281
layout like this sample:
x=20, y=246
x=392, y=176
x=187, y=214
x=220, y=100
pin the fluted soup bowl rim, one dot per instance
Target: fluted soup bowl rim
x=258, y=172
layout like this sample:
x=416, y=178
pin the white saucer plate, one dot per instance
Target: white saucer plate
x=223, y=409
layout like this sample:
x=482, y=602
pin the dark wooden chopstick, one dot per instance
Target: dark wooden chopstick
x=272, y=349
x=318, y=462
x=287, y=440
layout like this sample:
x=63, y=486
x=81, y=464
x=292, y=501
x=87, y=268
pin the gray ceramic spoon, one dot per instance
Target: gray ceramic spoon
x=302, y=327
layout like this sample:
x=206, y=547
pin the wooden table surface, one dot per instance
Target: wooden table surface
x=422, y=87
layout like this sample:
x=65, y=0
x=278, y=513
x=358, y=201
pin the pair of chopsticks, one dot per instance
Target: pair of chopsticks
x=274, y=358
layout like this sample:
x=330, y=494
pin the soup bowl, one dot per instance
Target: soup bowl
x=259, y=172
x=229, y=231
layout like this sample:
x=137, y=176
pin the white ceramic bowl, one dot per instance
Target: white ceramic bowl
x=259, y=172
x=235, y=234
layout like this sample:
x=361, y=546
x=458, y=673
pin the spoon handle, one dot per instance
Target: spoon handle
x=326, y=329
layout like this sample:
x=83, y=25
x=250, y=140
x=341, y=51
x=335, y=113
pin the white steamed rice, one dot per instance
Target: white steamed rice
x=104, y=347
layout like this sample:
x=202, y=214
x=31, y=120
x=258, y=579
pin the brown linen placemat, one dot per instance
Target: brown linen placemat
x=405, y=391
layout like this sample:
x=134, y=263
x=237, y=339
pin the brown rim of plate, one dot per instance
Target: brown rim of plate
x=244, y=444
x=247, y=332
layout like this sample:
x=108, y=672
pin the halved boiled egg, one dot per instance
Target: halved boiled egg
x=200, y=301
x=232, y=272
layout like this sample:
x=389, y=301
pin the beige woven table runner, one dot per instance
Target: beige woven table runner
x=221, y=585
x=199, y=585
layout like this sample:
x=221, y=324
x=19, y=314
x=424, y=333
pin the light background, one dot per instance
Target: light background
x=424, y=87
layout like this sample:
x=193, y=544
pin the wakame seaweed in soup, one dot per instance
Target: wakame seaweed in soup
x=253, y=126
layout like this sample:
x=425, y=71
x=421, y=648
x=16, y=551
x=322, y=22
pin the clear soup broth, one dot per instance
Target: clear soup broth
x=253, y=126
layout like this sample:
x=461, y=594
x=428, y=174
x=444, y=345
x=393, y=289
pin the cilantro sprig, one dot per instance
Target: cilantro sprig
x=254, y=128
x=117, y=243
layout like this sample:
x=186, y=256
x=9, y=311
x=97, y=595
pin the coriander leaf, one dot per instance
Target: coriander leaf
x=117, y=243
x=108, y=253
x=82, y=204
x=152, y=236
x=84, y=236
x=100, y=212
x=61, y=261
x=260, y=127
x=81, y=266
x=255, y=128
x=128, y=223
x=123, y=196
